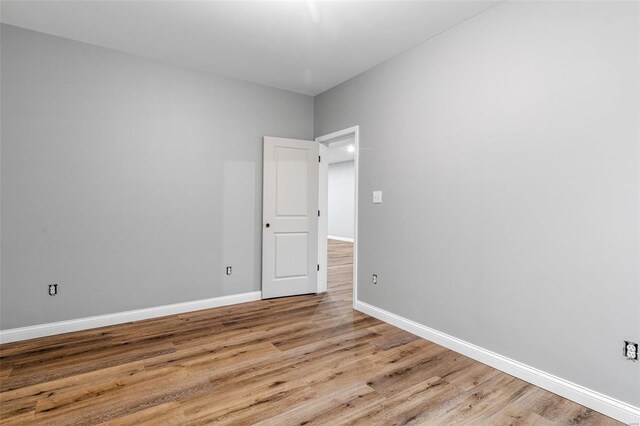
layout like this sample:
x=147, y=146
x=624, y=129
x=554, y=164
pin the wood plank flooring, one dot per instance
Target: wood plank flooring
x=296, y=360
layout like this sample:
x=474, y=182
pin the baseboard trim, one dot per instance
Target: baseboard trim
x=606, y=405
x=50, y=329
x=333, y=237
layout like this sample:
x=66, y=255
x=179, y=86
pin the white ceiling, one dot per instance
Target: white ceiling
x=339, y=151
x=302, y=46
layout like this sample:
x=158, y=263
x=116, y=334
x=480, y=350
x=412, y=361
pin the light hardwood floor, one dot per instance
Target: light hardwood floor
x=295, y=360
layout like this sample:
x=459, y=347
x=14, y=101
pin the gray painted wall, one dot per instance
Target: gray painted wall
x=129, y=182
x=508, y=152
x=341, y=199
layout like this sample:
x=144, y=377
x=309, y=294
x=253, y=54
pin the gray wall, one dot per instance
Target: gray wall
x=129, y=182
x=341, y=199
x=508, y=152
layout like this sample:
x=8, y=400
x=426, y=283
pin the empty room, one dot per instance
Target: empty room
x=319, y=212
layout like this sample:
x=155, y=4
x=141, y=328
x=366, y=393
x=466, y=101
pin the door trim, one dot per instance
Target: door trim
x=326, y=139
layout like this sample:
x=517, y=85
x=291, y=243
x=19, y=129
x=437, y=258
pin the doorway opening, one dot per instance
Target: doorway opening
x=338, y=195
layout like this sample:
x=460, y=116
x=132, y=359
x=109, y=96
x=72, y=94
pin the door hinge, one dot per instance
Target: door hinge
x=318, y=267
x=318, y=213
x=319, y=157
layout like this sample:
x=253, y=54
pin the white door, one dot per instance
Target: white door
x=289, y=217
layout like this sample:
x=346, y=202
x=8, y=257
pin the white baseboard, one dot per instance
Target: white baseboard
x=50, y=329
x=333, y=237
x=606, y=405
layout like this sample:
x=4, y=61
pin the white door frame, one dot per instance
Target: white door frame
x=325, y=140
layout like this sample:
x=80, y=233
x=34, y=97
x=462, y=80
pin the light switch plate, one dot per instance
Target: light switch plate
x=377, y=197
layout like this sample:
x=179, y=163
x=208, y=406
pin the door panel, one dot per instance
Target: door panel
x=296, y=263
x=290, y=217
x=291, y=181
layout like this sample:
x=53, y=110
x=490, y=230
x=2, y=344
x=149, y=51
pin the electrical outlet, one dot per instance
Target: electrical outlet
x=228, y=270
x=375, y=279
x=631, y=350
x=53, y=289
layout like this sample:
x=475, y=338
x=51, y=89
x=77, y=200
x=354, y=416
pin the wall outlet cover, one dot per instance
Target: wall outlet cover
x=631, y=350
